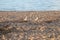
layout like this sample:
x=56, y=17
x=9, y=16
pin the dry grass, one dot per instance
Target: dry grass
x=38, y=25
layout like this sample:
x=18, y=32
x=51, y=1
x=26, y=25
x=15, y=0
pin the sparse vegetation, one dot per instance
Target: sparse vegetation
x=30, y=25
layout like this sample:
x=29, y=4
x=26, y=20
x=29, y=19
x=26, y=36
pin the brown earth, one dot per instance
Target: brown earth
x=31, y=25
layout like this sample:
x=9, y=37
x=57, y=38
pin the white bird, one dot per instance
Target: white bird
x=36, y=19
x=25, y=19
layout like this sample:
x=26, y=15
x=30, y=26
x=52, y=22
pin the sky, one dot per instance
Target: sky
x=29, y=5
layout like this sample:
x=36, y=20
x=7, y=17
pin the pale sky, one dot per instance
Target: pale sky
x=21, y=5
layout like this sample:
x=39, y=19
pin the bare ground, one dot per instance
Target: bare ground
x=38, y=25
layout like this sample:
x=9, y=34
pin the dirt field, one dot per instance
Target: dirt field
x=38, y=25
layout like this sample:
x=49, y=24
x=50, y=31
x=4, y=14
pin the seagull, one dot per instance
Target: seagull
x=36, y=19
x=25, y=19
